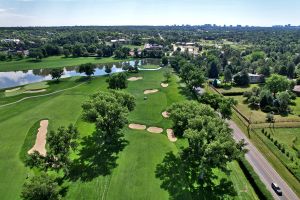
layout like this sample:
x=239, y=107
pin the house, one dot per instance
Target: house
x=153, y=47
x=297, y=90
x=256, y=78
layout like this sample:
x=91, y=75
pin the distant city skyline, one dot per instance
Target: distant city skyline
x=148, y=12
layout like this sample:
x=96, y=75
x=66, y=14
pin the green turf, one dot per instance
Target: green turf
x=36, y=86
x=134, y=177
x=51, y=62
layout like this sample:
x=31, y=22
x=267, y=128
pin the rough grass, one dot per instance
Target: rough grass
x=257, y=116
x=51, y=62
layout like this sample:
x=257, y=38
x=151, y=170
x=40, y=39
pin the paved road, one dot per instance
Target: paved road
x=262, y=167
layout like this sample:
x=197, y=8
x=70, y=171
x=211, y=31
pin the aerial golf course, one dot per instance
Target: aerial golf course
x=135, y=174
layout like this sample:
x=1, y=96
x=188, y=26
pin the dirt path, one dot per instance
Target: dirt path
x=40, y=142
x=150, y=91
x=42, y=95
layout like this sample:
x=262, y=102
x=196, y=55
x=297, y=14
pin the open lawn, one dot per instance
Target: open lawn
x=132, y=47
x=134, y=176
x=257, y=116
x=236, y=89
x=51, y=62
x=296, y=107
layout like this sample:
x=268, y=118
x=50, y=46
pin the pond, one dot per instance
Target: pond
x=17, y=78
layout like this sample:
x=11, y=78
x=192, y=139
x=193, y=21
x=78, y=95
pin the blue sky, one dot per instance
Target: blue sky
x=148, y=12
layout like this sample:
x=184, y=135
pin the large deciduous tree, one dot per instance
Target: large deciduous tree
x=277, y=83
x=56, y=73
x=88, y=69
x=41, y=187
x=117, y=81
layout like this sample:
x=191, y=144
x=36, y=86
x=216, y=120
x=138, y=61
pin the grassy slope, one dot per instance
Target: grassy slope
x=51, y=62
x=134, y=177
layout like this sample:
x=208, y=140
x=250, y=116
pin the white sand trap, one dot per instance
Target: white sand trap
x=165, y=114
x=150, y=91
x=34, y=91
x=164, y=85
x=13, y=90
x=137, y=126
x=155, y=130
x=40, y=142
x=171, y=135
x=134, y=78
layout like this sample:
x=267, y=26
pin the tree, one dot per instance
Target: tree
x=283, y=99
x=67, y=53
x=122, y=52
x=167, y=75
x=266, y=98
x=242, y=78
x=88, y=69
x=277, y=83
x=108, y=69
x=3, y=56
x=181, y=113
x=291, y=70
x=56, y=73
x=79, y=50
x=225, y=106
x=192, y=76
x=36, y=53
x=213, y=70
x=283, y=70
x=164, y=61
x=210, y=147
x=227, y=75
x=117, y=81
x=60, y=143
x=109, y=111
x=99, y=53
x=40, y=187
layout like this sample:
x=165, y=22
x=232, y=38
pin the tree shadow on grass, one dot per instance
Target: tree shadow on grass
x=179, y=180
x=97, y=157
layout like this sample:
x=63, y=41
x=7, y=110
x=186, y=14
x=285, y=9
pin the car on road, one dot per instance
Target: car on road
x=277, y=189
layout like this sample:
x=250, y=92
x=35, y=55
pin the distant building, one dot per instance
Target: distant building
x=120, y=41
x=297, y=89
x=17, y=41
x=153, y=47
x=256, y=78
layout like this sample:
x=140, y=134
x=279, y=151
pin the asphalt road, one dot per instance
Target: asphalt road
x=262, y=167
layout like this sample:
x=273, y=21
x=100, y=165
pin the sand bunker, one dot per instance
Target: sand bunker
x=165, y=114
x=155, y=130
x=13, y=90
x=164, y=85
x=40, y=142
x=137, y=126
x=171, y=135
x=135, y=78
x=150, y=91
x=34, y=91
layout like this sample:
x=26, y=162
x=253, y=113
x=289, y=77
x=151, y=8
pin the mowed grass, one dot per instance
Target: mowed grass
x=236, y=89
x=257, y=116
x=52, y=62
x=149, y=67
x=134, y=177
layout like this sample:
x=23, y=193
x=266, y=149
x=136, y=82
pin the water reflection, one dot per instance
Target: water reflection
x=17, y=78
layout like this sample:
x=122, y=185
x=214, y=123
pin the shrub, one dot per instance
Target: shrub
x=287, y=154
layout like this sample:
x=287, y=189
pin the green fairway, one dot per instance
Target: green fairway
x=52, y=62
x=134, y=177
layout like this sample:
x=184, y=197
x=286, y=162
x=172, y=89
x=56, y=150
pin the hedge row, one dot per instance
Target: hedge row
x=258, y=186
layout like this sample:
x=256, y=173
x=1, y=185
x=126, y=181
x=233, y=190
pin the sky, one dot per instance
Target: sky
x=148, y=12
